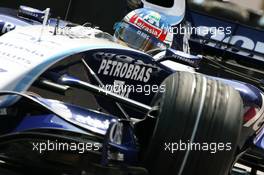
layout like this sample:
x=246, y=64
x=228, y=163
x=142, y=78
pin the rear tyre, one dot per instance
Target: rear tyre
x=201, y=113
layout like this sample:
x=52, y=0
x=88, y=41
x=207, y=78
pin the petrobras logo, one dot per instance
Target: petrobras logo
x=122, y=69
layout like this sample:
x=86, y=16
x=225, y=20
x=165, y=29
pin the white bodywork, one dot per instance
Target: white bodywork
x=23, y=57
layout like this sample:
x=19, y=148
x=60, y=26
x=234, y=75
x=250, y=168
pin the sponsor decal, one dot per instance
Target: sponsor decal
x=153, y=18
x=187, y=60
x=183, y=57
x=122, y=69
x=22, y=48
x=143, y=35
x=148, y=27
x=244, y=42
x=15, y=58
x=19, y=54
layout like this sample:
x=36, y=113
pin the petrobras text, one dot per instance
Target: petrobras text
x=122, y=69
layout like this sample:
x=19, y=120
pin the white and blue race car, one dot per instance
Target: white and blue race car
x=72, y=101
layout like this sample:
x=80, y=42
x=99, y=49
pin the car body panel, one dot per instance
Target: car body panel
x=24, y=56
x=46, y=122
x=26, y=53
x=34, y=54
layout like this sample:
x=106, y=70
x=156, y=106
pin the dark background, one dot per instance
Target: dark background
x=103, y=13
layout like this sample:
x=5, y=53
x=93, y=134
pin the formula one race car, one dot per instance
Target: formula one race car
x=72, y=101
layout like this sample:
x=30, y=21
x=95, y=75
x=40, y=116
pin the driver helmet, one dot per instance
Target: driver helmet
x=144, y=30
